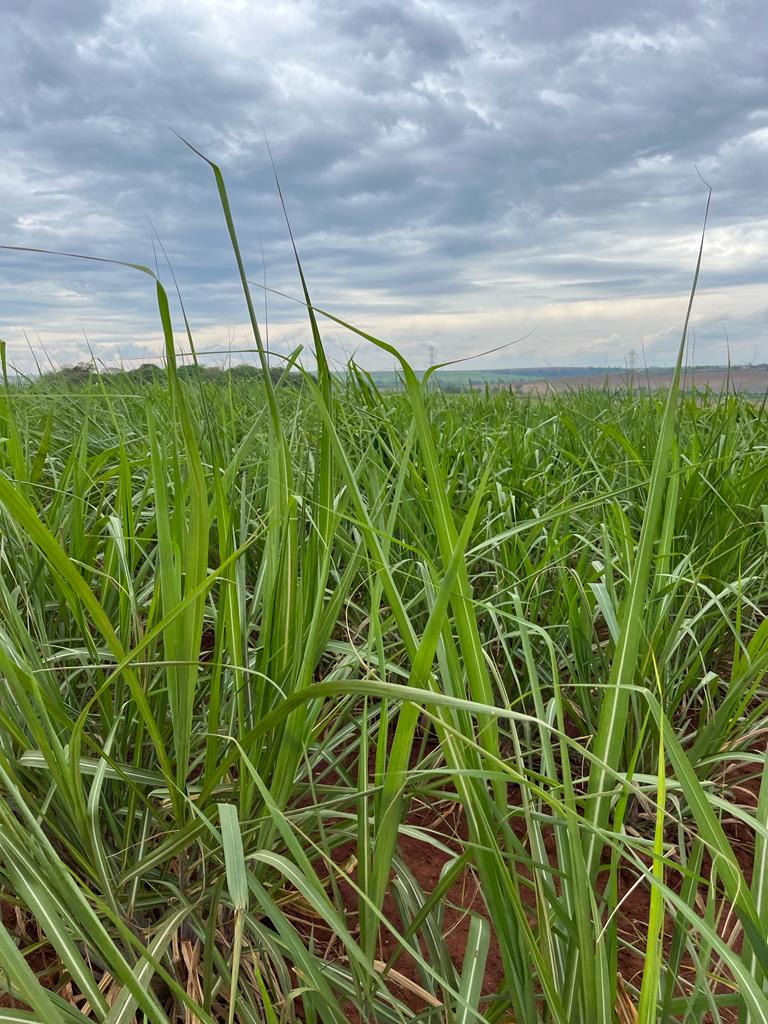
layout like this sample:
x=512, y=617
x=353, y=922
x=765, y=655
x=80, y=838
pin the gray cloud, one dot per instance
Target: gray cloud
x=455, y=174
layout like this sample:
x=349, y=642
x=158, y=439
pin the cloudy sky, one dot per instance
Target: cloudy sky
x=457, y=174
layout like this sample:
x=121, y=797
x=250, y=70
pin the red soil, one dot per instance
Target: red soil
x=425, y=862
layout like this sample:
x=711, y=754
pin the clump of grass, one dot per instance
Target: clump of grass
x=245, y=629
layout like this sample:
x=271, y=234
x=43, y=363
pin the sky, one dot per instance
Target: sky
x=458, y=176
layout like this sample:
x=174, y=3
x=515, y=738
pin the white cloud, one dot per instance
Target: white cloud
x=455, y=173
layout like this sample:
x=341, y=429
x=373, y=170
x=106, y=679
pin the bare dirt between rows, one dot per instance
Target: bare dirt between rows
x=445, y=823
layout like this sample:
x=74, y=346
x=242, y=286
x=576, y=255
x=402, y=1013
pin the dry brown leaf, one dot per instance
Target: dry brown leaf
x=190, y=954
x=625, y=1008
x=406, y=983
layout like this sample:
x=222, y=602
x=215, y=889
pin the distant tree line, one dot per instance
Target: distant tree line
x=80, y=373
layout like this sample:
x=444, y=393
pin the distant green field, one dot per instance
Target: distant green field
x=458, y=379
